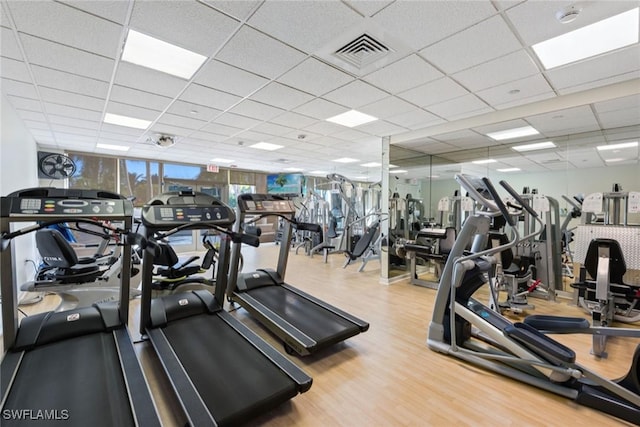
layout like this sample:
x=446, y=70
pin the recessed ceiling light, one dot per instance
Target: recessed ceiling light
x=371, y=165
x=294, y=169
x=603, y=36
x=352, y=118
x=617, y=146
x=619, y=159
x=536, y=146
x=222, y=161
x=434, y=176
x=398, y=171
x=346, y=160
x=483, y=162
x=513, y=133
x=392, y=166
x=112, y=147
x=508, y=170
x=131, y=122
x=150, y=52
x=266, y=146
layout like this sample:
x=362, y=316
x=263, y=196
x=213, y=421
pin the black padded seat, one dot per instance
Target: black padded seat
x=62, y=262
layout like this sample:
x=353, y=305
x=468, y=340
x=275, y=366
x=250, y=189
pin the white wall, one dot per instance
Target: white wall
x=18, y=170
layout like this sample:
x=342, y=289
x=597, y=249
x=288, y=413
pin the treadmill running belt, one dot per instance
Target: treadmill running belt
x=83, y=377
x=235, y=380
x=322, y=325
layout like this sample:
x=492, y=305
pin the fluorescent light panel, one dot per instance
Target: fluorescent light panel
x=346, y=160
x=352, y=119
x=483, y=162
x=533, y=147
x=619, y=159
x=221, y=161
x=617, y=146
x=600, y=37
x=508, y=170
x=130, y=122
x=266, y=146
x=150, y=52
x=513, y=133
x=399, y=171
x=371, y=165
x=112, y=147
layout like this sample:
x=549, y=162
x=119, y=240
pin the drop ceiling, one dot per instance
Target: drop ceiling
x=458, y=70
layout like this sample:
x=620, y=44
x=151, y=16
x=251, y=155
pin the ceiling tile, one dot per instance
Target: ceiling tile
x=181, y=121
x=71, y=99
x=536, y=20
x=567, y=121
x=528, y=87
x=592, y=70
x=381, y=128
x=78, y=113
x=421, y=23
x=464, y=139
x=281, y=96
x=108, y=129
x=22, y=89
x=132, y=111
x=627, y=102
x=68, y=26
x=613, y=119
x=8, y=44
x=370, y=7
x=256, y=110
x=324, y=128
x=293, y=120
x=404, y=74
x=14, y=70
x=32, y=116
x=236, y=120
x=57, y=129
x=25, y=103
x=33, y=124
x=253, y=51
x=320, y=109
x=218, y=75
x=113, y=10
x=309, y=26
x=207, y=28
x=480, y=43
x=70, y=121
x=70, y=82
x=235, y=8
x=162, y=128
x=356, y=94
x=220, y=129
x=272, y=129
x=350, y=134
x=434, y=92
x=64, y=58
x=514, y=66
x=209, y=97
x=126, y=95
x=207, y=136
x=148, y=80
x=415, y=119
x=315, y=77
x=388, y=107
x=188, y=109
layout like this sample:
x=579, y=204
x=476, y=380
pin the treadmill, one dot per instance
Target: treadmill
x=222, y=373
x=76, y=367
x=304, y=323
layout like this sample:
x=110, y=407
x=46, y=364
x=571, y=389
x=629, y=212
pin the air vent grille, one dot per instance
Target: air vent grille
x=363, y=51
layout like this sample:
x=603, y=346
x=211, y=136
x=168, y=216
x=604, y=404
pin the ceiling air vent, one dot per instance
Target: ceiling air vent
x=362, y=52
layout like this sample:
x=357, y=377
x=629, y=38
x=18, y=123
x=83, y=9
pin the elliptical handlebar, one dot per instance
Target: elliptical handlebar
x=467, y=182
x=249, y=239
x=519, y=199
x=499, y=202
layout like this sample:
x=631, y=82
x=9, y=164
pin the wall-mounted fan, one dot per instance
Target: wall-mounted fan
x=55, y=166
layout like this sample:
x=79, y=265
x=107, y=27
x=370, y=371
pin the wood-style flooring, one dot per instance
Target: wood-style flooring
x=387, y=376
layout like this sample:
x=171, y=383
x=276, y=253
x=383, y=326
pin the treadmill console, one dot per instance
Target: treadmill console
x=173, y=209
x=265, y=204
x=56, y=202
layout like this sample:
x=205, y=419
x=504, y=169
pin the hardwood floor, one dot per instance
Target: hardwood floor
x=387, y=376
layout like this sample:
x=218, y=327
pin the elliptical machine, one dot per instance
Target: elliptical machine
x=465, y=328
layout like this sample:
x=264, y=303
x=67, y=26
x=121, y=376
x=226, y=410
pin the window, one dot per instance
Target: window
x=236, y=189
x=93, y=172
x=139, y=179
